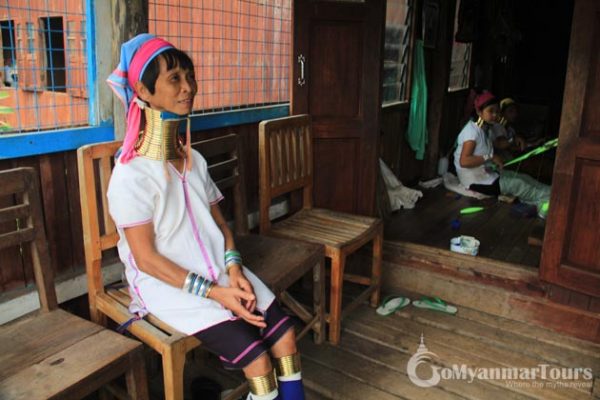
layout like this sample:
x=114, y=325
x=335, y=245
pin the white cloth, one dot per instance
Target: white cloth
x=400, y=196
x=452, y=183
x=185, y=233
x=483, y=146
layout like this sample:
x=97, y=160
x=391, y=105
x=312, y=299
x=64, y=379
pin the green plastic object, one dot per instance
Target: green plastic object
x=471, y=210
x=416, y=134
x=538, y=150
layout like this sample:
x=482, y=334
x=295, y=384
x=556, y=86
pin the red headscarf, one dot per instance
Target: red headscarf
x=484, y=100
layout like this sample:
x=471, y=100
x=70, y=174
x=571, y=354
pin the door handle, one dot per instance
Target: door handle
x=302, y=62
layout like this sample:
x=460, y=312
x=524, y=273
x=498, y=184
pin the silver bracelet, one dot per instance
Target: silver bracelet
x=202, y=288
x=197, y=283
x=187, y=282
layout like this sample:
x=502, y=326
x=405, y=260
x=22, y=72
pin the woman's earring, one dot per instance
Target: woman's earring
x=480, y=122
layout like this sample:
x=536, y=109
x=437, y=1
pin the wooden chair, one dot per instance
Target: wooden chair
x=286, y=165
x=277, y=263
x=54, y=354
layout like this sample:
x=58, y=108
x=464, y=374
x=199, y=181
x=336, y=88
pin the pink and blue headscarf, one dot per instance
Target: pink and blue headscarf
x=136, y=54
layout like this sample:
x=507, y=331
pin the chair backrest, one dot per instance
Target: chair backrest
x=285, y=161
x=95, y=164
x=25, y=225
x=224, y=156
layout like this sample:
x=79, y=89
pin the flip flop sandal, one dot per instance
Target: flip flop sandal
x=436, y=304
x=391, y=304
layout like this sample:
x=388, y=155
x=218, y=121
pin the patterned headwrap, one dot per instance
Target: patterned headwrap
x=136, y=54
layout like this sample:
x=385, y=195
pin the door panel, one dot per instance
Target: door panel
x=334, y=87
x=571, y=252
x=591, y=115
x=339, y=171
x=341, y=44
x=582, y=248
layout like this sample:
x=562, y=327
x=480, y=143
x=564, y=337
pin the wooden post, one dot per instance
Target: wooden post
x=104, y=63
x=130, y=17
x=438, y=61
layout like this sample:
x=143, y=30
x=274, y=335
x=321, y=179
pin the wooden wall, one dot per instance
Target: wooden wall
x=62, y=213
x=59, y=188
x=395, y=150
x=453, y=119
x=572, y=298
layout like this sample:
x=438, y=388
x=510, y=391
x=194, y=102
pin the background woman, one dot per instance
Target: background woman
x=480, y=170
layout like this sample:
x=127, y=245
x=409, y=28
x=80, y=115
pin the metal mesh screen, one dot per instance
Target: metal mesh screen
x=240, y=48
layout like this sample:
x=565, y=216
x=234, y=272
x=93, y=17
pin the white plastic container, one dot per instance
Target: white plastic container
x=465, y=245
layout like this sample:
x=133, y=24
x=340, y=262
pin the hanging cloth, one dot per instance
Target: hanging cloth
x=417, y=123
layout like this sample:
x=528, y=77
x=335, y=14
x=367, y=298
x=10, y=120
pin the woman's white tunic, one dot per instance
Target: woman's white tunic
x=185, y=233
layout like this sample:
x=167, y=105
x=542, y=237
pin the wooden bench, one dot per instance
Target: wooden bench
x=278, y=263
x=54, y=354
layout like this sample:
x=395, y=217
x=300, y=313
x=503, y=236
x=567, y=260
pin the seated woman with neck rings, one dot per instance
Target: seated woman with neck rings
x=480, y=170
x=179, y=253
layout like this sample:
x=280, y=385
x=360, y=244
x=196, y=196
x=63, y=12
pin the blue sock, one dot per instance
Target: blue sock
x=291, y=387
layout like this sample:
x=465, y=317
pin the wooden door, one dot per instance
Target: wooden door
x=571, y=252
x=339, y=44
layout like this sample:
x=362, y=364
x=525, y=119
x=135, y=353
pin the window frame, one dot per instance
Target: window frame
x=469, y=65
x=409, y=69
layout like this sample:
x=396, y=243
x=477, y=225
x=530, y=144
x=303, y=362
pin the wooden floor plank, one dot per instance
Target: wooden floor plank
x=566, y=347
x=569, y=343
x=429, y=224
x=502, y=338
x=512, y=237
x=453, y=349
x=369, y=372
x=336, y=385
x=396, y=361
